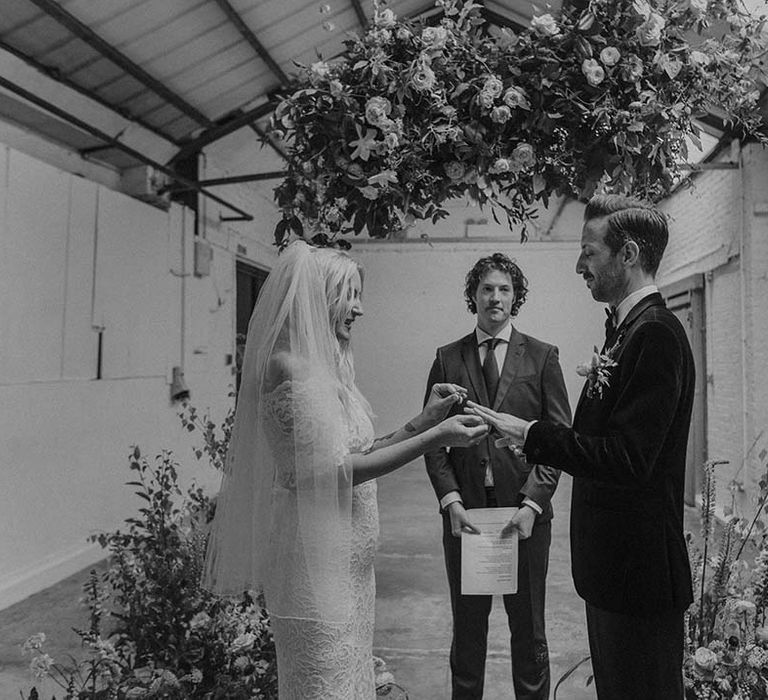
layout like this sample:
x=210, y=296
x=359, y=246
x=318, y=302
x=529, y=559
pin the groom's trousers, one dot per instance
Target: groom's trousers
x=636, y=658
x=525, y=615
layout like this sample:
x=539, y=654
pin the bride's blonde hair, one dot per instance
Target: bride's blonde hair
x=339, y=270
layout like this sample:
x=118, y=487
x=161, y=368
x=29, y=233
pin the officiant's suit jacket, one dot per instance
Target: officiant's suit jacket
x=627, y=453
x=530, y=386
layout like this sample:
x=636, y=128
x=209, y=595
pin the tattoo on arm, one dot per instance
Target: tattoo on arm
x=378, y=441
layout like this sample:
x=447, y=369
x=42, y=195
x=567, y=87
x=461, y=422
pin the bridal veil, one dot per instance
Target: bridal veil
x=283, y=515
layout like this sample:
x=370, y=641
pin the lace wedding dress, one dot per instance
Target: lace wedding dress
x=321, y=659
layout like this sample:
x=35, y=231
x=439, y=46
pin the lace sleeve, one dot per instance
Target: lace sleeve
x=306, y=430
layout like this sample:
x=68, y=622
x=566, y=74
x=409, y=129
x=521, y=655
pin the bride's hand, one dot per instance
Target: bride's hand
x=462, y=431
x=441, y=398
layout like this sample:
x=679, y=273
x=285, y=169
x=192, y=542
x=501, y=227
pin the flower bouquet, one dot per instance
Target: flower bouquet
x=726, y=626
x=416, y=113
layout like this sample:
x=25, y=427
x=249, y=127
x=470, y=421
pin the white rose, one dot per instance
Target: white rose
x=423, y=79
x=320, y=69
x=649, y=32
x=434, y=37
x=380, y=36
x=243, y=642
x=523, y=156
x=545, y=25
x=705, y=659
x=501, y=165
x=377, y=109
x=610, y=56
x=493, y=85
x=336, y=87
x=485, y=99
x=501, y=114
x=385, y=18
x=516, y=97
x=593, y=71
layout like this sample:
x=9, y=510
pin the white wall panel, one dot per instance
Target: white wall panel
x=132, y=285
x=32, y=271
x=80, y=339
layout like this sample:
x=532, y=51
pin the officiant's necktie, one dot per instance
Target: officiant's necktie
x=491, y=369
x=610, y=323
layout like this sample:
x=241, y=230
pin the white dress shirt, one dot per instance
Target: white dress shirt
x=631, y=300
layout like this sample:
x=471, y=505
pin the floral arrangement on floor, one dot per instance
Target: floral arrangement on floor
x=727, y=625
x=416, y=112
x=153, y=631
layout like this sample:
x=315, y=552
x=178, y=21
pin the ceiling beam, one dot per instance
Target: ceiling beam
x=55, y=74
x=250, y=37
x=86, y=34
x=223, y=129
x=114, y=141
x=500, y=20
x=361, y=18
x=232, y=180
x=46, y=85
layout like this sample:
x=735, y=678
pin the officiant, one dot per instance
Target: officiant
x=516, y=373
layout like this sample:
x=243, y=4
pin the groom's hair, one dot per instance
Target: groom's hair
x=631, y=219
x=497, y=261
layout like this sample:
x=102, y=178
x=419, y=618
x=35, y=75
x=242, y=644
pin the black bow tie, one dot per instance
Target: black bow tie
x=610, y=323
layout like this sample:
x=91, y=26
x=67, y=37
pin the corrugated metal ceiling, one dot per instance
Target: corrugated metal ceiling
x=193, y=64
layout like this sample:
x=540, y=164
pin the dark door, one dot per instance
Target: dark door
x=250, y=280
x=686, y=300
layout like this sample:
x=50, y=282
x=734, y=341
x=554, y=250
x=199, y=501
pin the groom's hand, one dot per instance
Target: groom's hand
x=460, y=521
x=510, y=428
x=522, y=521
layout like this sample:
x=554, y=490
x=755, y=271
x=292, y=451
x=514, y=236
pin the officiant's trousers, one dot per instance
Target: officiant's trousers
x=525, y=615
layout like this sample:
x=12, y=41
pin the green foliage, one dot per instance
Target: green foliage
x=603, y=95
x=153, y=630
x=215, y=437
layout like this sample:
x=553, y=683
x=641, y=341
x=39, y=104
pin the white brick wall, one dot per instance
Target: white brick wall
x=720, y=228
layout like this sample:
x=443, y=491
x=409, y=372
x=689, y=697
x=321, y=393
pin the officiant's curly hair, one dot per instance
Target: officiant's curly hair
x=500, y=262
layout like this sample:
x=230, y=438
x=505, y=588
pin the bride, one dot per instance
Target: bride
x=297, y=514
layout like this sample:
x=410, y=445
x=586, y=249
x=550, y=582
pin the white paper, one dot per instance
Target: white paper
x=488, y=560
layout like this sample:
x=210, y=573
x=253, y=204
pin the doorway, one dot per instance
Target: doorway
x=250, y=280
x=686, y=300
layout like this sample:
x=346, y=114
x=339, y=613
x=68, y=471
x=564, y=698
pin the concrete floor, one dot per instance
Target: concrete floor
x=413, y=617
x=413, y=625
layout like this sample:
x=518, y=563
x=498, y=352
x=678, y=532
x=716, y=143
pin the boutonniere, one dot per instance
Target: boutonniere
x=598, y=371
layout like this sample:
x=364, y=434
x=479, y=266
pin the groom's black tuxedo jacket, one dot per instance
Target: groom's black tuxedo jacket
x=530, y=385
x=627, y=453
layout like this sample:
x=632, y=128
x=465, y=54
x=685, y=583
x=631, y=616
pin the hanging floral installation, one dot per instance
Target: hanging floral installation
x=415, y=114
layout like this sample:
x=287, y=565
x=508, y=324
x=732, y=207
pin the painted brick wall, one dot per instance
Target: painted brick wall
x=720, y=228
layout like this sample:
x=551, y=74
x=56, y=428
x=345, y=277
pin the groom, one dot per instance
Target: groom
x=626, y=451
x=510, y=371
